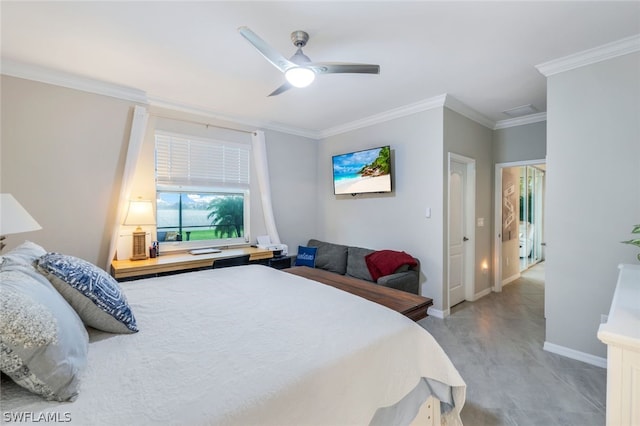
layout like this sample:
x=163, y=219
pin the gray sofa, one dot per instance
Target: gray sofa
x=350, y=261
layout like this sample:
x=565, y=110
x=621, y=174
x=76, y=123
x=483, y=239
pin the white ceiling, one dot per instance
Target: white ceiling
x=190, y=53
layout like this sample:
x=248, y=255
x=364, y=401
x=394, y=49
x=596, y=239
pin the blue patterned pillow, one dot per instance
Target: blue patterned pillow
x=306, y=256
x=94, y=294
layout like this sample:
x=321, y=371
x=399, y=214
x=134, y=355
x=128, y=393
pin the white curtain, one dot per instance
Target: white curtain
x=262, y=168
x=138, y=127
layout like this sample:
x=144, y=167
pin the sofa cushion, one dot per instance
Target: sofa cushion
x=356, y=264
x=331, y=257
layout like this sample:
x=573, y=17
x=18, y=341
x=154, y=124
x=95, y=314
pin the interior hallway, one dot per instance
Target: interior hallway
x=496, y=345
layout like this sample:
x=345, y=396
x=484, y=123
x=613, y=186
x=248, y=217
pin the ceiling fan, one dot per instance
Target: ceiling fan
x=299, y=70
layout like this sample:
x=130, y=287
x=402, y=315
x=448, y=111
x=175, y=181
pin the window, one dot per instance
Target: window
x=202, y=191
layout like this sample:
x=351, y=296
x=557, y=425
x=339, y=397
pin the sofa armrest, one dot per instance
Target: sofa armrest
x=405, y=281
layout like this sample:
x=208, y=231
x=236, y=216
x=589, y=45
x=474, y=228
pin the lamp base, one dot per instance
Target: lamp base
x=139, y=246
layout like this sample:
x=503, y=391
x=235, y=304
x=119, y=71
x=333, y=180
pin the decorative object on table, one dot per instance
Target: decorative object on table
x=634, y=241
x=140, y=213
x=14, y=218
x=153, y=250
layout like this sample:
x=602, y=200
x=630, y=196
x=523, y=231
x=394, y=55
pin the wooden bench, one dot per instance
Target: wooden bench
x=410, y=305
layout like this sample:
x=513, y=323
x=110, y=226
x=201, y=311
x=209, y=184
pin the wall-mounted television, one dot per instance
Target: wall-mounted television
x=362, y=172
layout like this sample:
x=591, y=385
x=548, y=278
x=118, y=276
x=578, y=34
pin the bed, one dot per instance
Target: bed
x=252, y=345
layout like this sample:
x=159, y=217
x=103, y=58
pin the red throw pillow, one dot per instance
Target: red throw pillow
x=386, y=262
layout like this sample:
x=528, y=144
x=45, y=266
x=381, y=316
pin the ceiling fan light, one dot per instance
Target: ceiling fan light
x=300, y=76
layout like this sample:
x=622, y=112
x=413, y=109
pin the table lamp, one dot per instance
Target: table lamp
x=14, y=219
x=140, y=213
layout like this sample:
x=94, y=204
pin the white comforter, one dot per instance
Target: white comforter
x=251, y=346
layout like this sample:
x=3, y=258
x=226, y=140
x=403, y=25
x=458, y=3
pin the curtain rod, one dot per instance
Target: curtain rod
x=205, y=124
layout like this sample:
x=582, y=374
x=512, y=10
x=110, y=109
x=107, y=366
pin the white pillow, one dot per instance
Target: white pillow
x=43, y=343
x=26, y=253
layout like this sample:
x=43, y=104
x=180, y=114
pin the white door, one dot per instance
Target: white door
x=457, y=235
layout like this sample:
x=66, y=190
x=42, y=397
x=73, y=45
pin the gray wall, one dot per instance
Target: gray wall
x=294, y=188
x=593, y=194
x=397, y=220
x=63, y=154
x=466, y=137
x=520, y=143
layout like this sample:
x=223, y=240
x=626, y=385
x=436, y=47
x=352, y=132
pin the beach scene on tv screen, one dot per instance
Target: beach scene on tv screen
x=362, y=171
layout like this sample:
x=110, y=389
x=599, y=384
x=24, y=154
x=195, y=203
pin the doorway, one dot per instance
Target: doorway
x=519, y=219
x=461, y=197
x=531, y=221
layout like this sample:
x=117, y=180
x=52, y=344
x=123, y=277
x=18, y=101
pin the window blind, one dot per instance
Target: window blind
x=182, y=161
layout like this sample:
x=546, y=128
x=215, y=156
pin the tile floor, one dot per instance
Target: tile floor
x=496, y=344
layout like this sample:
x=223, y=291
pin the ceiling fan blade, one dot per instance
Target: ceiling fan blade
x=343, y=68
x=286, y=86
x=272, y=55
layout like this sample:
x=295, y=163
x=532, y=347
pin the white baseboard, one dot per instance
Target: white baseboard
x=511, y=279
x=481, y=294
x=577, y=355
x=443, y=314
x=438, y=313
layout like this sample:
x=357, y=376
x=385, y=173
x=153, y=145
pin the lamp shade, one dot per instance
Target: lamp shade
x=140, y=213
x=14, y=219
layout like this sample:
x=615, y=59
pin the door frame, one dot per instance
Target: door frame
x=497, y=223
x=469, y=214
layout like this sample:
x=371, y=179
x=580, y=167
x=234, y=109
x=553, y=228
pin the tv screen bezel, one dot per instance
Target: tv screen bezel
x=333, y=171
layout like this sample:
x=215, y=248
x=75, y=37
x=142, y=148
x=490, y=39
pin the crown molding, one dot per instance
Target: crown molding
x=85, y=84
x=246, y=124
x=591, y=56
x=462, y=109
x=403, y=111
x=519, y=121
x=444, y=100
x=71, y=81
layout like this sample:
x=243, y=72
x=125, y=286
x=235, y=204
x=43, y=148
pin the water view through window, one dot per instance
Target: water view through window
x=191, y=216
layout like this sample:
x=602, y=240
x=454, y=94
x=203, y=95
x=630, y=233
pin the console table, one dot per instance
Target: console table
x=180, y=261
x=408, y=304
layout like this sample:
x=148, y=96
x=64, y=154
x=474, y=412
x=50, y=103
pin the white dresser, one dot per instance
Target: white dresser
x=621, y=334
